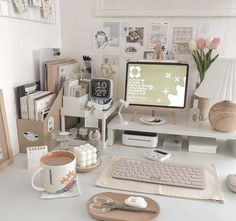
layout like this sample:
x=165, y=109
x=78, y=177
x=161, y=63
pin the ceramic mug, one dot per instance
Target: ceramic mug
x=58, y=172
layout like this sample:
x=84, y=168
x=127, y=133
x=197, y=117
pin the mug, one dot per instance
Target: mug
x=58, y=172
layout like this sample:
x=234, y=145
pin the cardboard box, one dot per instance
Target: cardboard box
x=37, y=133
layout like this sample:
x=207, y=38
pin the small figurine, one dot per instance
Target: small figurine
x=106, y=70
x=95, y=140
x=158, y=51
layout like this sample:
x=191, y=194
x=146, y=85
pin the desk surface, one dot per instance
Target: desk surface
x=19, y=201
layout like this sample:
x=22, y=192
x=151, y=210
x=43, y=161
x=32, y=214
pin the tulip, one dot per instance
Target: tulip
x=192, y=45
x=201, y=43
x=202, y=56
x=214, y=43
x=208, y=41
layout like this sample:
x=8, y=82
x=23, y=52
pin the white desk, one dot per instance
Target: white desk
x=19, y=201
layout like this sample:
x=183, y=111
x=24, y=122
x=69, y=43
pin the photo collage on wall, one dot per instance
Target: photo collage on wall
x=139, y=41
x=115, y=42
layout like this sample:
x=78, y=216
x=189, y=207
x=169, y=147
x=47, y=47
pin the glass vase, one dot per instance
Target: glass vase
x=204, y=107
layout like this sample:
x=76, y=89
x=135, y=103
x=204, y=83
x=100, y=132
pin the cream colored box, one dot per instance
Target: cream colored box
x=202, y=144
x=75, y=102
x=38, y=133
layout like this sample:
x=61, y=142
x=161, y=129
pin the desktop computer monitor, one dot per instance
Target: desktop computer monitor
x=157, y=84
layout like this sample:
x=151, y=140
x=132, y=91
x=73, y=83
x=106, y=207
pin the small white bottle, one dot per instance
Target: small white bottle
x=194, y=114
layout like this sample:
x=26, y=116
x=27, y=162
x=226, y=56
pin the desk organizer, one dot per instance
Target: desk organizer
x=38, y=133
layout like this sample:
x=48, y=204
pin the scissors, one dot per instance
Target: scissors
x=106, y=204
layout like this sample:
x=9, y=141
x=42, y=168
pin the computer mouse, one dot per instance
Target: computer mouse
x=231, y=182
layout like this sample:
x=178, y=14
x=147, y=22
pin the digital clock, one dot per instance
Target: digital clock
x=101, y=88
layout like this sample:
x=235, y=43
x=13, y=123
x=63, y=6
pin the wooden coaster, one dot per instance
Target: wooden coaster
x=89, y=168
x=122, y=215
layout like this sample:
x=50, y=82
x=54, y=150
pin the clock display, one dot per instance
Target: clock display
x=101, y=88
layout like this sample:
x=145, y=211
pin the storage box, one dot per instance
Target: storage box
x=78, y=103
x=202, y=144
x=139, y=139
x=37, y=133
x=173, y=142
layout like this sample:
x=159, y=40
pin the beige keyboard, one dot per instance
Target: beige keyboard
x=166, y=173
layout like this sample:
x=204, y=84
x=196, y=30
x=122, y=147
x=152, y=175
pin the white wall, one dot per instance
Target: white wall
x=21, y=39
x=78, y=22
x=19, y=42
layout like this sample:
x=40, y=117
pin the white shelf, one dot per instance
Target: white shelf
x=180, y=128
x=103, y=115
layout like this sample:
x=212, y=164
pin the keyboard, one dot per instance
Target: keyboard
x=166, y=173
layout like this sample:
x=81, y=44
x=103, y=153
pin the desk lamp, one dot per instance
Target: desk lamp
x=219, y=86
x=123, y=104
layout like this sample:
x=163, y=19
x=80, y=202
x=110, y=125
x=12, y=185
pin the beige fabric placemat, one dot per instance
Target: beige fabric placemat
x=211, y=192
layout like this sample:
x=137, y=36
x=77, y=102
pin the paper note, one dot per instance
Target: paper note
x=91, y=119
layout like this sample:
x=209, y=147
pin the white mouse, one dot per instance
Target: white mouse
x=134, y=201
x=231, y=182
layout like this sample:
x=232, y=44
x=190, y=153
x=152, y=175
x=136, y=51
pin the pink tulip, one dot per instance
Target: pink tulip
x=192, y=45
x=214, y=43
x=201, y=43
x=208, y=41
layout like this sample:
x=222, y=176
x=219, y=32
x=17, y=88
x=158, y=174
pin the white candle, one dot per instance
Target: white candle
x=86, y=155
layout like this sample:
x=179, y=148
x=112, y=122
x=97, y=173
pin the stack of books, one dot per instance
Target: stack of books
x=35, y=106
x=59, y=71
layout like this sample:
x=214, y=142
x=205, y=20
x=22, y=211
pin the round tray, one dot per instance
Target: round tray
x=152, y=120
x=122, y=215
x=89, y=168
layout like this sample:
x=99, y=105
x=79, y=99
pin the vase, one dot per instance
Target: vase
x=222, y=116
x=204, y=107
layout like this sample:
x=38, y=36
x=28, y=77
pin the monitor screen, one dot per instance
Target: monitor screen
x=161, y=84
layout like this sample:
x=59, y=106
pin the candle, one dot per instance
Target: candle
x=86, y=155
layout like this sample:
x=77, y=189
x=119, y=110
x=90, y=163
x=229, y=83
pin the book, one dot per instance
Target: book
x=52, y=75
x=31, y=100
x=66, y=72
x=69, y=86
x=24, y=90
x=42, y=105
x=24, y=105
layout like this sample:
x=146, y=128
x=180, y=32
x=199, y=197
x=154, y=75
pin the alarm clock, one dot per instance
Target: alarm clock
x=101, y=88
x=101, y=91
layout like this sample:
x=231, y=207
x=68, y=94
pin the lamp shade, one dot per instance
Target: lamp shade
x=219, y=85
x=220, y=81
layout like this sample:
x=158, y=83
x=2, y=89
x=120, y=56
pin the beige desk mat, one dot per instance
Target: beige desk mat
x=212, y=191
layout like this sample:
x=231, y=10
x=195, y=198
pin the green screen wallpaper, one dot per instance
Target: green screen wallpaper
x=156, y=84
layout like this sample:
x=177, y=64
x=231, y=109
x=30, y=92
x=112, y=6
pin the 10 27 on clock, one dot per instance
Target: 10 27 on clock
x=101, y=88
